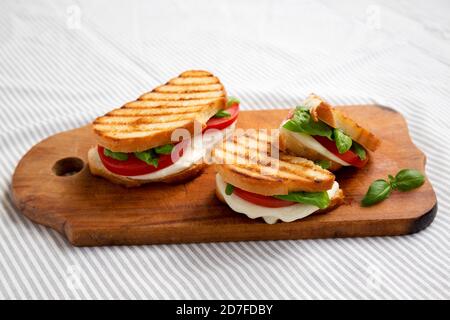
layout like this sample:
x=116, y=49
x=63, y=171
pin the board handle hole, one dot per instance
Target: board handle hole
x=68, y=166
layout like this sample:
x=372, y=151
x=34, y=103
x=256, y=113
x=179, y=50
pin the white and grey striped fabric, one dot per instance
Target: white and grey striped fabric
x=62, y=63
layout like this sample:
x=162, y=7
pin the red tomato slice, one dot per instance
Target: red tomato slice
x=135, y=167
x=260, y=200
x=350, y=157
x=222, y=123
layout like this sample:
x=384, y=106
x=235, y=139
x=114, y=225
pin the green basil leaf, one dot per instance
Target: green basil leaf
x=301, y=121
x=232, y=100
x=165, y=149
x=222, y=114
x=115, y=155
x=149, y=157
x=343, y=141
x=229, y=189
x=408, y=179
x=325, y=164
x=291, y=125
x=378, y=191
x=392, y=182
x=318, y=199
x=359, y=150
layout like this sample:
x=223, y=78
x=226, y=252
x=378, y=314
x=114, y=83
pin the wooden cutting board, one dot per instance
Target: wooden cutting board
x=91, y=211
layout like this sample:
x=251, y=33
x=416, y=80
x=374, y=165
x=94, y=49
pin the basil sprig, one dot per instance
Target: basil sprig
x=165, y=149
x=404, y=180
x=343, y=141
x=149, y=157
x=229, y=189
x=222, y=114
x=378, y=191
x=318, y=199
x=325, y=164
x=121, y=156
x=408, y=179
x=302, y=122
x=225, y=114
x=359, y=150
x=232, y=100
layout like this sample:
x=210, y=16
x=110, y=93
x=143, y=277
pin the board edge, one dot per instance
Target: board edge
x=424, y=221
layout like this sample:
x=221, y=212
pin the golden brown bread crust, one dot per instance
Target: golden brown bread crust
x=322, y=110
x=240, y=163
x=96, y=167
x=246, y=179
x=187, y=101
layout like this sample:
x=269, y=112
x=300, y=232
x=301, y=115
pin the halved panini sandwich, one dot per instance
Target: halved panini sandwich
x=150, y=139
x=256, y=180
x=319, y=132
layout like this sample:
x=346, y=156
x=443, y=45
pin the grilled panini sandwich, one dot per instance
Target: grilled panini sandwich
x=255, y=179
x=319, y=132
x=135, y=142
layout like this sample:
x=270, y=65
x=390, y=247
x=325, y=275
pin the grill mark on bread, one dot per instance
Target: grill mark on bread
x=117, y=136
x=279, y=176
x=188, y=88
x=142, y=120
x=148, y=104
x=140, y=127
x=192, y=96
x=285, y=170
x=249, y=154
x=195, y=73
x=193, y=81
x=152, y=111
x=181, y=96
x=247, y=172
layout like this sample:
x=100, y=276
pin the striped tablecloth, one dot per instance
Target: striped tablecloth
x=62, y=63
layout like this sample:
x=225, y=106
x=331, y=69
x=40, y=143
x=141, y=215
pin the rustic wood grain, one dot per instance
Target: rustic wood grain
x=90, y=211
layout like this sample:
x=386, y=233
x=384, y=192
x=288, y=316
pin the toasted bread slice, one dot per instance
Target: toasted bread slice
x=192, y=97
x=98, y=169
x=321, y=110
x=247, y=162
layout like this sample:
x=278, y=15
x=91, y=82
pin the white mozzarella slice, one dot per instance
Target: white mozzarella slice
x=312, y=143
x=270, y=215
x=190, y=155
